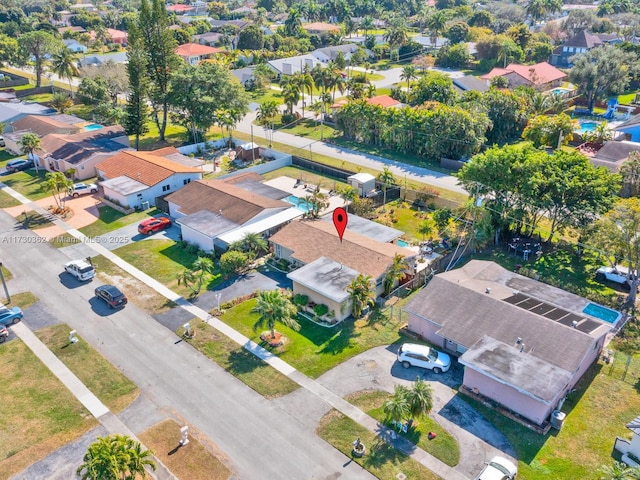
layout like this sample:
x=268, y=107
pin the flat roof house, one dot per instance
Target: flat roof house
x=523, y=344
x=131, y=177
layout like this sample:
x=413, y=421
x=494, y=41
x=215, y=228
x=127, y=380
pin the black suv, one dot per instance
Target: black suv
x=111, y=295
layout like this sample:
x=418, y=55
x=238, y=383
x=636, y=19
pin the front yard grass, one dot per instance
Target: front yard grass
x=163, y=260
x=110, y=219
x=597, y=413
x=39, y=414
x=23, y=300
x=242, y=364
x=311, y=129
x=33, y=220
x=7, y=200
x=137, y=292
x=103, y=379
x=192, y=461
x=28, y=183
x=382, y=460
x=444, y=447
x=315, y=349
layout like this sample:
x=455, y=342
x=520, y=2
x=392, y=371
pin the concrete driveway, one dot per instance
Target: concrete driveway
x=377, y=369
x=129, y=234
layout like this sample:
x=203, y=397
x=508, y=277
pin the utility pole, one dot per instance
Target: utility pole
x=253, y=149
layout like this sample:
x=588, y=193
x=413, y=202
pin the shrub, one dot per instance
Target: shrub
x=321, y=309
x=234, y=261
x=300, y=300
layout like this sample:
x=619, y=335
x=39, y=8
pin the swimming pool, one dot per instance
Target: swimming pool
x=603, y=313
x=297, y=202
x=92, y=126
x=559, y=91
x=402, y=243
x=587, y=126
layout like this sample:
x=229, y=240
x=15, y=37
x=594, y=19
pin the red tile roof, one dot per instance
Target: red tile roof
x=117, y=34
x=193, y=49
x=537, y=74
x=321, y=26
x=180, y=8
x=384, y=101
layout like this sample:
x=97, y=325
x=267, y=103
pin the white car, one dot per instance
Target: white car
x=499, y=468
x=80, y=269
x=616, y=274
x=81, y=188
x=414, y=355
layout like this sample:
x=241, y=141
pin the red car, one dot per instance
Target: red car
x=152, y=225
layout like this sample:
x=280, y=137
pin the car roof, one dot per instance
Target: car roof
x=415, y=348
x=79, y=263
x=111, y=289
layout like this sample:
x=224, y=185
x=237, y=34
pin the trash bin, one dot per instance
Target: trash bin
x=145, y=205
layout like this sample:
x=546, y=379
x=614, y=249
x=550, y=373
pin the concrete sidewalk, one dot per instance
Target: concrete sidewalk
x=310, y=385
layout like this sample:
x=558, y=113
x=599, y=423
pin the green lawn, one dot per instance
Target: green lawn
x=382, y=460
x=405, y=217
x=444, y=447
x=28, y=183
x=83, y=111
x=39, y=414
x=40, y=97
x=103, y=379
x=174, y=135
x=7, y=200
x=315, y=349
x=597, y=413
x=22, y=300
x=242, y=364
x=33, y=220
x=163, y=260
x=111, y=219
x=5, y=156
x=266, y=95
x=310, y=129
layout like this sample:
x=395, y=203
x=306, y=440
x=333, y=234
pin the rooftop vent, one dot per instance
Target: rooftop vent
x=488, y=290
x=574, y=324
x=518, y=341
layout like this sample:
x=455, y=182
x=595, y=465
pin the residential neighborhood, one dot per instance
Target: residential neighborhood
x=356, y=240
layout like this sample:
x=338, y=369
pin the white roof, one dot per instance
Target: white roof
x=326, y=277
x=261, y=225
x=362, y=177
x=124, y=185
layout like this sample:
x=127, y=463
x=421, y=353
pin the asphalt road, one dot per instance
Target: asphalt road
x=260, y=439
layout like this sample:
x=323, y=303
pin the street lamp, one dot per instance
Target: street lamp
x=218, y=295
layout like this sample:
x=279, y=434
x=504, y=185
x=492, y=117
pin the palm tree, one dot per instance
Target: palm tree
x=366, y=24
x=437, y=23
x=618, y=471
x=61, y=102
x=397, y=408
x=58, y=184
x=115, y=457
x=290, y=93
x=396, y=36
x=267, y=112
x=408, y=73
x=254, y=243
x=316, y=203
x=64, y=64
x=348, y=194
x=395, y=273
x=29, y=143
x=427, y=227
x=275, y=306
x=420, y=398
x=362, y=292
x=387, y=178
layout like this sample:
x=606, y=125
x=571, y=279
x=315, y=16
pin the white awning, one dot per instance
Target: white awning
x=261, y=225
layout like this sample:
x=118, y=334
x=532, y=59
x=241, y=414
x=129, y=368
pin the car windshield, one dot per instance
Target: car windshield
x=86, y=269
x=499, y=467
x=433, y=355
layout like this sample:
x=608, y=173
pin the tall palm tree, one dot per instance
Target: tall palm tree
x=362, y=293
x=366, y=24
x=290, y=93
x=58, y=184
x=64, y=64
x=396, y=36
x=267, y=112
x=29, y=143
x=273, y=307
x=254, y=243
x=397, y=408
x=437, y=24
x=387, y=178
x=409, y=73
x=115, y=457
x=396, y=272
x=348, y=194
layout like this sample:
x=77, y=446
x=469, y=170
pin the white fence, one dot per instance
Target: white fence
x=194, y=147
x=281, y=160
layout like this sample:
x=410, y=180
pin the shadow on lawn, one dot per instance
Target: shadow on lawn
x=179, y=255
x=242, y=361
x=341, y=339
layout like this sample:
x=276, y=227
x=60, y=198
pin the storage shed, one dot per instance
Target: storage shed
x=363, y=182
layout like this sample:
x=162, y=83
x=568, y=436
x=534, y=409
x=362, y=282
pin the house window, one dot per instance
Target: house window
x=188, y=180
x=571, y=49
x=379, y=281
x=166, y=188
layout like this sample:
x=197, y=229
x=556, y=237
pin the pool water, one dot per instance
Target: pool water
x=603, y=313
x=297, y=202
x=587, y=127
x=559, y=91
x=402, y=243
x=92, y=126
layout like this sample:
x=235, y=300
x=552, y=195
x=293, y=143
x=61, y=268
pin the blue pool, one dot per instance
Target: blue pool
x=92, y=126
x=299, y=203
x=402, y=243
x=587, y=127
x=559, y=91
x=603, y=313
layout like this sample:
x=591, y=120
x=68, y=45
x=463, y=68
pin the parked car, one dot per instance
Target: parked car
x=82, y=188
x=4, y=333
x=152, y=225
x=112, y=295
x=80, y=269
x=2, y=144
x=499, y=468
x=19, y=164
x=10, y=316
x=414, y=355
x=615, y=274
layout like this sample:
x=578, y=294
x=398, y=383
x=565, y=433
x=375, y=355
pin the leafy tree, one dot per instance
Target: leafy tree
x=233, y=261
x=387, y=178
x=8, y=49
x=93, y=91
x=363, y=207
x=481, y=18
x=427, y=227
x=61, y=102
x=434, y=86
x=113, y=76
x=137, y=111
x=453, y=56
x=396, y=272
x=38, y=45
x=348, y=194
x=630, y=172
x=58, y=184
x=195, y=277
x=397, y=408
x=544, y=130
x=115, y=457
x=508, y=114
x=159, y=44
x=362, y=293
x=601, y=72
x=458, y=32
x=275, y=306
x=29, y=143
x=251, y=38
x=64, y=64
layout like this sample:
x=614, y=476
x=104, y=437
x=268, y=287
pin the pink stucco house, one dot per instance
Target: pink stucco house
x=523, y=344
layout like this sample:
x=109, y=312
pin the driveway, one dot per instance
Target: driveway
x=129, y=234
x=377, y=369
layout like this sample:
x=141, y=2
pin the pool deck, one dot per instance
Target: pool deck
x=287, y=184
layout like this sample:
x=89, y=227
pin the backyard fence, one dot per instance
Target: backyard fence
x=621, y=366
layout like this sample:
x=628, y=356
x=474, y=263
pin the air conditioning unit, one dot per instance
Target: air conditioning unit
x=557, y=419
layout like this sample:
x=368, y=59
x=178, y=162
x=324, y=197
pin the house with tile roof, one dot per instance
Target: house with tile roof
x=327, y=262
x=215, y=213
x=541, y=76
x=81, y=151
x=320, y=28
x=194, y=53
x=118, y=36
x=131, y=177
x=41, y=125
x=523, y=344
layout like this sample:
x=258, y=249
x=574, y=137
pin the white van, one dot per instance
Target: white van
x=414, y=355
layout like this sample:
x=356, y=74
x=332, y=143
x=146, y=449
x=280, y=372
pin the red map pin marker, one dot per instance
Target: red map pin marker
x=340, y=221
